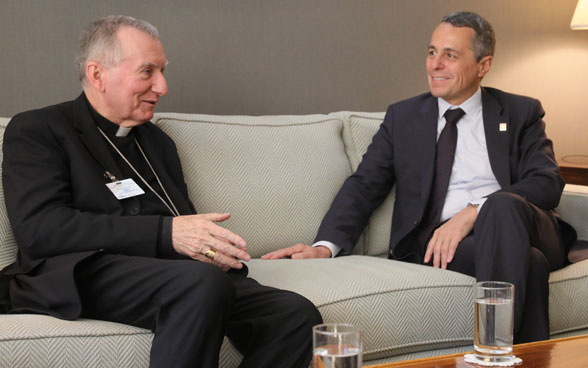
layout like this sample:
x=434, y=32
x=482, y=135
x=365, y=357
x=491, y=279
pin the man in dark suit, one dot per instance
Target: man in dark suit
x=100, y=211
x=484, y=207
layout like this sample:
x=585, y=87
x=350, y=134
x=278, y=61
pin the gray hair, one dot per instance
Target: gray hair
x=484, y=42
x=98, y=41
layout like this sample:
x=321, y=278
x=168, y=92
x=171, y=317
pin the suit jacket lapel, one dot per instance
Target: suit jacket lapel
x=91, y=137
x=496, y=128
x=426, y=129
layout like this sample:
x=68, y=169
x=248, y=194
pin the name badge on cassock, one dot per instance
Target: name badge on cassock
x=125, y=188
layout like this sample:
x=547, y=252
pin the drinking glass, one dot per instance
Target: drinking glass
x=336, y=345
x=493, y=321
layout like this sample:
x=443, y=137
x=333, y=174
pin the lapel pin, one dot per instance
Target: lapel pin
x=502, y=127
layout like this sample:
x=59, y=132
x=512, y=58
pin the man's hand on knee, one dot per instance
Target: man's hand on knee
x=446, y=237
x=299, y=251
x=198, y=237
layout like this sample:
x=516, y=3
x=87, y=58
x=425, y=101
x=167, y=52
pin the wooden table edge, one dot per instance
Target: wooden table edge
x=517, y=349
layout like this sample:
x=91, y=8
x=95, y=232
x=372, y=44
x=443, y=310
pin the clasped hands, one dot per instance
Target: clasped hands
x=198, y=237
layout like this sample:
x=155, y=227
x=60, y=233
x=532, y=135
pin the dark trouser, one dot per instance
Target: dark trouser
x=190, y=306
x=517, y=242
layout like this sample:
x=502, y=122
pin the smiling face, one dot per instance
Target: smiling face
x=452, y=70
x=126, y=93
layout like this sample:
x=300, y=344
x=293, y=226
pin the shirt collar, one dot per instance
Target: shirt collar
x=106, y=125
x=469, y=106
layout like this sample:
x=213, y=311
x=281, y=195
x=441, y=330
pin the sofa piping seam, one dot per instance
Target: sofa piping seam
x=394, y=291
x=250, y=125
x=46, y=337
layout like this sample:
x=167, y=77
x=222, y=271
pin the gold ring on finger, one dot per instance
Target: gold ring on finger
x=210, y=254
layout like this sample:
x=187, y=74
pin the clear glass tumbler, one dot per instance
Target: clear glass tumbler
x=493, y=321
x=336, y=345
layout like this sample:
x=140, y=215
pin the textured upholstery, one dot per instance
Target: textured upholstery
x=572, y=208
x=568, y=298
x=7, y=242
x=401, y=307
x=404, y=308
x=277, y=176
x=362, y=127
x=31, y=341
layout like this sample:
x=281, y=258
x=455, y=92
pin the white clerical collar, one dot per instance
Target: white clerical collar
x=469, y=106
x=123, y=131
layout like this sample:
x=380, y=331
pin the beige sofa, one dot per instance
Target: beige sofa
x=277, y=176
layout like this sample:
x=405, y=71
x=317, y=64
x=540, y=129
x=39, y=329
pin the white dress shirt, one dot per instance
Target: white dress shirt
x=471, y=178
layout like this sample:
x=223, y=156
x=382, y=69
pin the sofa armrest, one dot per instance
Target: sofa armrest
x=573, y=208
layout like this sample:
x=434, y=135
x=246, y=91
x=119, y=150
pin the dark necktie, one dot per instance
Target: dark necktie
x=443, y=165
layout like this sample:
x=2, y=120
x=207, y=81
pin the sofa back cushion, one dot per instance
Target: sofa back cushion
x=7, y=242
x=360, y=128
x=276, y=175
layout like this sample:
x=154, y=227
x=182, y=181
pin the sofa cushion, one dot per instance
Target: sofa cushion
x=7, y=241
x=401, y=307
x=276, y=175
x=42, y=341
x=568, y=296
x=405, y=308
x=359, y=129
x=358, y=133
x=29, y=340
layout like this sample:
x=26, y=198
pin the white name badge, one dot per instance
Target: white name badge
x=125, y=189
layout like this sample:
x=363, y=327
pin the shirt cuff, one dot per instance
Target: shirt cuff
x=164, y=244
x=332, y=247
x=478, y=203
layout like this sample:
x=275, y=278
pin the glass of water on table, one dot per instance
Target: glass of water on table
x=493, y=321
x=336, y=345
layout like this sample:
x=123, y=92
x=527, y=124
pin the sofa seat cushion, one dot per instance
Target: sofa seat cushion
x=42, y=341
x=568, y=296
x=404, y=308
x=401, y=307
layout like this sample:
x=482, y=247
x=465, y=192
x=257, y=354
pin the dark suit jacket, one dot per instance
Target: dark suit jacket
x=403, y=153
x=60, y=208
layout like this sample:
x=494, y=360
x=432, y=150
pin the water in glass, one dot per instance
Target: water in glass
x=493, y=325
x=337, y=356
